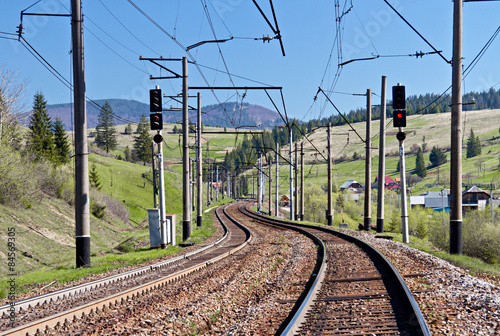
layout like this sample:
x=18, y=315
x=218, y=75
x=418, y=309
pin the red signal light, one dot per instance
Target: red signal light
x=399, y=118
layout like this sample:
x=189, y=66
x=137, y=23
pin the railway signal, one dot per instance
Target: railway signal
x=399, y=105
x=399, y=118
x=398, y=97
x=158, y=138
x=155, y=104
x=156, y=121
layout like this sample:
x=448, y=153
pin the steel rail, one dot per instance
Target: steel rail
x=92, y=285
x=132, y=293
x=415, y=314
x=298, y=314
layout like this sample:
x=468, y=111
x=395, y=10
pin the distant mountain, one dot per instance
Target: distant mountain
x=225, y=115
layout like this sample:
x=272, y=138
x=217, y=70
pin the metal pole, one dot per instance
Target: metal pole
x=291, y=175
x=207, y=175
x=456, y=134
x=259, y=198
x=329, y=212
x=155, y=184
x=216, y=183
x=368, y=161
x=166, y=233
x=402, y=175
x=199, y=201
x=491, y=203
x=302, y=181
x=296, y=194
x=270, y=189
x=381, y=160
x=82, y=212
x=186, y=223
x=276, y=207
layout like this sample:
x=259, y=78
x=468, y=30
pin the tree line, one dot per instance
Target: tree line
x=429, y=103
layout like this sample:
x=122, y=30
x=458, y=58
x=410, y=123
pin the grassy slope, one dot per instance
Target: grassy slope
x=45, y=232
x=436, y=130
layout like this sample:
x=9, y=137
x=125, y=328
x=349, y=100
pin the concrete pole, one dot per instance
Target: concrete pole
x=291, y=175
x=259, y=193
x=199, y=169
x=381, y=160
x=329, y=211
x=368, y=161
x=276, y=207
x=456, y=134
x=216, y=183
x=208, y=184
x=270, y=189
x=186, y=188
x=301, y=181
x=296, y=194
x=82, y=212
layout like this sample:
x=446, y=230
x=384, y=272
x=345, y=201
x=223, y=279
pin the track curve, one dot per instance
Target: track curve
x=235, y=238
x=362, y=293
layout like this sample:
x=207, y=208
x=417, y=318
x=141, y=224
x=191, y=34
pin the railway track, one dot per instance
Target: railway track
x=46, y=311
x=345, y=289
x=359, y=293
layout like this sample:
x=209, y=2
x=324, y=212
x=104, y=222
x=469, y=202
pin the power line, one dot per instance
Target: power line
x=416, y=31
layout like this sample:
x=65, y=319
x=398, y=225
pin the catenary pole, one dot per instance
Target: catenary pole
x=186, y=223
x=276, y=207
x=381, y=160
x=329, y=211
x=199, y=169
x=82, y=213
x=456, y=134
x=291, y=174
x=296, y=171
x=259, y=186
x=368, y=161
x=270, y=188
x=302, y=181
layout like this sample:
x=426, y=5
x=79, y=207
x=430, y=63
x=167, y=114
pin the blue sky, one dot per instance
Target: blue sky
x=116, y=34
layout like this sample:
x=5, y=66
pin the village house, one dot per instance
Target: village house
x=285, y=200
x=351, y=185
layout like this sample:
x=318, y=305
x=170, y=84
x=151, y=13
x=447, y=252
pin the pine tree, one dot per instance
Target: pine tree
x=437, y=157
x=41, y=140
x=105, y=131
x=473, y=145
x=128, y=154
x=420, y=169
x=62, y=148
x=94, y=178
x=128, y=129
x=142, y=142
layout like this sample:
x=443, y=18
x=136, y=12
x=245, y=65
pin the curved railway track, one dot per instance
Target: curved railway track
x=359, y=293
x=348, y=289
x=41, y=310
